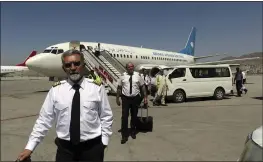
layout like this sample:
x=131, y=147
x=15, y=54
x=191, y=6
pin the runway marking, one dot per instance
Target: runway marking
x=27, y=116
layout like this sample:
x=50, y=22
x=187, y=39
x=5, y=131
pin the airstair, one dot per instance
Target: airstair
x=108, y=67
x=112, y=62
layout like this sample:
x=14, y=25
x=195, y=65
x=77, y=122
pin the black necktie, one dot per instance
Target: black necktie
x=130, y=84
x=75, y=117
x=144, y=77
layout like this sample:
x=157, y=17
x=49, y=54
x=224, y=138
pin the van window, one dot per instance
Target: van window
x=210, y=72
x=177, y=73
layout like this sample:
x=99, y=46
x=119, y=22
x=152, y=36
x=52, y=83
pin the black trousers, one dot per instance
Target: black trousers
x=132, y=104
x=238, y=87
x=91, y=150
x=244, y=81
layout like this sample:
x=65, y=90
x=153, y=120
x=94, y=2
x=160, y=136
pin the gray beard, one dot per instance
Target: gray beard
x=75, y=77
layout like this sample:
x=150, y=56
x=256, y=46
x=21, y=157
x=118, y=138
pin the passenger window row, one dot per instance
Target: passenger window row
x=146, y=57
x=167, y=59
x=130, y=56
x=121, y=55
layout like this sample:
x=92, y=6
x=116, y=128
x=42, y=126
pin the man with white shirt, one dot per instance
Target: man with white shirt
x=82, y=113
x=244, y=76
x=129, y=89
x=147, y=82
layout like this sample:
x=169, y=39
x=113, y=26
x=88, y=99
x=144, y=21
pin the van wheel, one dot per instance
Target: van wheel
x=179, y=96
x=219, y=94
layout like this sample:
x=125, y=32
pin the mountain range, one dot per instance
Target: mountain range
x=254, y=54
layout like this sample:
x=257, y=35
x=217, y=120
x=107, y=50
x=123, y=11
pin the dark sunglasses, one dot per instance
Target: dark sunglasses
x=68, y=64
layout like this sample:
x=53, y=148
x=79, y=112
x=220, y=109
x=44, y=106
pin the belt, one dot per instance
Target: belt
x=130, y=97
x=68, y=144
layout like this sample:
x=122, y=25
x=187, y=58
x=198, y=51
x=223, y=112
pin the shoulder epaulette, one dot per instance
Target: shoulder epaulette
x=57, y=83
x=96, y=82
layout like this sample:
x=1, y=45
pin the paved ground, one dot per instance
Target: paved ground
x=197, y=130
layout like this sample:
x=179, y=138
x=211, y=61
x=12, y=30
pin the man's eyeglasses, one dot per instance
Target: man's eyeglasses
x=68, y=64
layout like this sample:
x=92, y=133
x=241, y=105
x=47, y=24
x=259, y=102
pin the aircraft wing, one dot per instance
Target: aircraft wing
x=227, y=61
x=202, y=57
x=4, y=74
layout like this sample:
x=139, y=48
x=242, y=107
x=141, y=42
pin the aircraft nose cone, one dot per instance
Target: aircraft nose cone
x=36, y=62
x=47, y=64
x=33, y=61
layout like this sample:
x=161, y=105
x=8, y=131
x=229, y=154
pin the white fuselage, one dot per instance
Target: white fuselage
x=50, y=63
x=12, y=69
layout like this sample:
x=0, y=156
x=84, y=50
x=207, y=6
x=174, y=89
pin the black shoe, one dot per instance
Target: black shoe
x=163, y=105
x=124, y=140
x=246, y=91
x=133, y=135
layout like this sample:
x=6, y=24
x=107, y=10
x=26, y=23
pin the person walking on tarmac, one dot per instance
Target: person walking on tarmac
x=238, y=80
x=129, y=89
x=161, y=89
x=146, y=79
x=80, y=110
x=147, y=82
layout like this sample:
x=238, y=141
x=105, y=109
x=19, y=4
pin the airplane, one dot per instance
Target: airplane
x=49, y=61
x=21, y=67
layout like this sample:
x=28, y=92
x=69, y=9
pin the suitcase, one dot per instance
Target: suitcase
x=144, y=124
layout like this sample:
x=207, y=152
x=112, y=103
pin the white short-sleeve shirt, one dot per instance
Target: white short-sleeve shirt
x=124, y=82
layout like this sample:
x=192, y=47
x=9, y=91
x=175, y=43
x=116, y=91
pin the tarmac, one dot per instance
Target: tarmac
x=197, y=130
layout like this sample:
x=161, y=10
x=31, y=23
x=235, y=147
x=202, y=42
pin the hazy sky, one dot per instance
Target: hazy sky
x=233, y=27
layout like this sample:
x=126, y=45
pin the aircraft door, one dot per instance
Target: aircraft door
x=82, y=47
x=74, y=45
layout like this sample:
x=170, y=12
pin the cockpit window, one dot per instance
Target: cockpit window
x=47, y=51
x=60, y=51
x=54, y=51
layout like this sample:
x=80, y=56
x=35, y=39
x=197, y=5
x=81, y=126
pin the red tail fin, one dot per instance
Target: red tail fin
x=33, y=53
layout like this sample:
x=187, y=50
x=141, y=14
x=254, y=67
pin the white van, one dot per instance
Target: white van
x=189, y=81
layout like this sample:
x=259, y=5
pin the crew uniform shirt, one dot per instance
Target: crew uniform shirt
x=96, y=116
x=147, y=79
x=137, y=81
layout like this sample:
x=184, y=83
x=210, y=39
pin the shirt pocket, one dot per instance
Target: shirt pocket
x=90, y=110
x=62, y=111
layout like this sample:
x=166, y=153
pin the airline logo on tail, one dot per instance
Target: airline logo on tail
x=189, y=48
x=33, y=53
